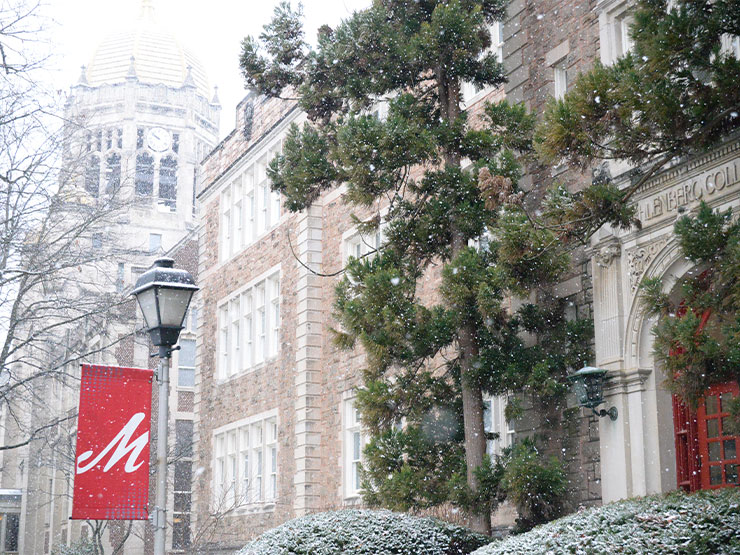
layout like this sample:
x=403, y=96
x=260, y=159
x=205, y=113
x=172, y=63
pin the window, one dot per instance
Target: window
x=155, y=242
x=271, y=450
x=121, y=276
x=353, y=444
x=274, y=285
x=139, y=138
x=224, y=337
x=186, y=363
x=249, y=326
x=219, y=471
x=731, y=45
x=144, y=179
x=226, y=229
x=249, y=208
x=10, y=527
x=358, y=245
x=182, y=484
x=183, y=439
x=246, y=462
x=718, y=443
x=176, y=142
x=615, y=19
x=168, y=182
x=494, y=422
x=97, y=241
x=560, y=82
x=92, y=175
x=468, y=91
x=113, y=173
x=259, y=292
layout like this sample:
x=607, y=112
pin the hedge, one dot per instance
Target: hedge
x=363, y=532
x=707, y=522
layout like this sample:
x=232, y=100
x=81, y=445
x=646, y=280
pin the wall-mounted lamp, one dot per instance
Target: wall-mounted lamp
x=588, y=385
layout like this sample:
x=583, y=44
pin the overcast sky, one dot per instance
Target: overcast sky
x=212, y=29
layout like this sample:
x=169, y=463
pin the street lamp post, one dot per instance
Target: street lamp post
x=164, y=294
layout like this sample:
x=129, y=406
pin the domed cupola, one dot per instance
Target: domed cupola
x=150, y=53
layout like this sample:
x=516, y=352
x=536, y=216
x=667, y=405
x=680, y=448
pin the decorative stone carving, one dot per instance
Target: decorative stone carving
x=639, y=258
x=604, y=256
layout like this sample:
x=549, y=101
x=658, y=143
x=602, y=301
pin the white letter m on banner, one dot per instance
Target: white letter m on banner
x=123, y=445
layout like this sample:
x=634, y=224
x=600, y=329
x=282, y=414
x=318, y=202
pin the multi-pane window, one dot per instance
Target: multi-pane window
x=246, y=462
x=359, y=245
x=182, y=484
x=168, y=182
x=470, y=90
x=104, y=146
x=249, y=208
x=113, y=173
x=615, y=21
x=186, y=363
x=144, y=178
x=92, y=175
x=354, y=442
x=494, y=422
x=249, y=326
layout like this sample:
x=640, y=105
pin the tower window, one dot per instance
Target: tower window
x=113, y=173
x=144, y=175
x=175, y=142
x=119, y=141
x=92, y=175
x=168, y=181
x=139, y=138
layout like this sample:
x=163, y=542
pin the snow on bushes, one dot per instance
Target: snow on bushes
x=365, y=532
x=702, y=523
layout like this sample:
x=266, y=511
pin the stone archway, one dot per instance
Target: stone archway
x=638, y=451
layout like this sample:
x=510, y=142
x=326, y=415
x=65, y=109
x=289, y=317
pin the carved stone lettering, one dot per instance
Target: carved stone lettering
x=705, y=186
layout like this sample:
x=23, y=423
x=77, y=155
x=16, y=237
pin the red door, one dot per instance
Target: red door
x=718, y=448
x=687, y=446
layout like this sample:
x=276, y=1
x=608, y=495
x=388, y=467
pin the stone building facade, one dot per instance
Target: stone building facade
x=276, y=432
x=546, y=44
x=141, y=118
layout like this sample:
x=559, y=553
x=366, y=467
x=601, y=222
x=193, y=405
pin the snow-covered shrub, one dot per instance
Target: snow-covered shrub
x=365, y=532
x=701, y=523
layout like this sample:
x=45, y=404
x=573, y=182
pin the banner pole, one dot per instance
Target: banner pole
x=160, y=511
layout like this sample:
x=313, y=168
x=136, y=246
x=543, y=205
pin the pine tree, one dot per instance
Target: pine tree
x=428, y=363
x=697, y=336
x=674, y=95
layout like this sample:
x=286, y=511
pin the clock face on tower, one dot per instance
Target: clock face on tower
x=158, y=139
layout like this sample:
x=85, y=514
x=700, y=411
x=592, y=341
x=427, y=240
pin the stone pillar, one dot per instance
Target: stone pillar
x=309, y=342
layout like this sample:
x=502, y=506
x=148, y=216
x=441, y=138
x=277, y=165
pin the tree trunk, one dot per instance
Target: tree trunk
x=472, y=396
x=472, y=400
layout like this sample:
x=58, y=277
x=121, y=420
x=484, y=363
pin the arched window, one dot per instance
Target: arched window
x=168, y=181
x=112, y=173
x=144, y=181
x=92, y=175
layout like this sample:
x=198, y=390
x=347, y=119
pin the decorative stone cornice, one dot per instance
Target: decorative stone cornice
x=620, y=382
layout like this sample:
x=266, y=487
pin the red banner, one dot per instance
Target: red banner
x=112, y=458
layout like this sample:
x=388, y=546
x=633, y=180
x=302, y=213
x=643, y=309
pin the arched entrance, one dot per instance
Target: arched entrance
x=706, y=450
